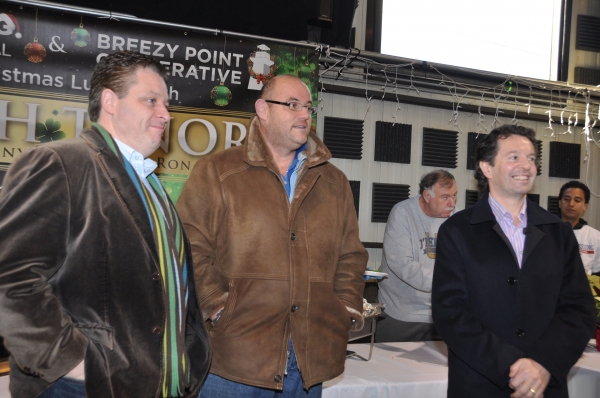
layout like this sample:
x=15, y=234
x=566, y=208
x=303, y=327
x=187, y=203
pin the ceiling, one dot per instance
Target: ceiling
x=280, y=19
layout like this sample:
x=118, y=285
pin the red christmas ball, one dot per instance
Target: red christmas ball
x=35, y=52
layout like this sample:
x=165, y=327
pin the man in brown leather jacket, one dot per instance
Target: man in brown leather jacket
x=277, y=257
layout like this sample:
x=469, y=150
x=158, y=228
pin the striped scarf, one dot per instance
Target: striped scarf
x=168, y=236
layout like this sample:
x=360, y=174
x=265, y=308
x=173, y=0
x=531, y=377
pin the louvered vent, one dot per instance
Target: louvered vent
x=440, y=148
x=385, y=196
x=471, y=197
x=473, y=141
x=589, y=76
x=392, y=142
x=343, y=137
x=553, y=205
x=588, y=33
x=540, y=148
x=565, y=160
x=534, y=197
x=355, y=187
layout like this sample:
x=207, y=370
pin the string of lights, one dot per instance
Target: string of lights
x=487, y=92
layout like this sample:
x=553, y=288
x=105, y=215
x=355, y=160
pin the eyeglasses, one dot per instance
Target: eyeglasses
x=295, y=106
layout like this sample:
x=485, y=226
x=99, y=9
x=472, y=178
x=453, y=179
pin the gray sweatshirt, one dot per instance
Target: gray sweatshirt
x=408, y=257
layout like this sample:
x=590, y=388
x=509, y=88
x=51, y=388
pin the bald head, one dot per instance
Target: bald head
x=267, y=90
x=285, y=129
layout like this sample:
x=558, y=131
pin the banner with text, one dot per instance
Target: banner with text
x=47, y=59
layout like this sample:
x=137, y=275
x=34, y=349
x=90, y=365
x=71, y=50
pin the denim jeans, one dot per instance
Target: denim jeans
x=218, y=387
x=65, y=388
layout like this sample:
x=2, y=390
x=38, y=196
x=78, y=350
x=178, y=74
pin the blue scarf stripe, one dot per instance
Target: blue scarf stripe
x=155, y=183
x=154, y=197
x=179, y=303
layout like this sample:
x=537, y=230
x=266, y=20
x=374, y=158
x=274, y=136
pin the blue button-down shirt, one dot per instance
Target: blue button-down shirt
x=290, y=179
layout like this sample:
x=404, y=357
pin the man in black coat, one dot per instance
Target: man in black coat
x=510, y=296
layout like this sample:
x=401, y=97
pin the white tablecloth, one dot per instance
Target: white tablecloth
x=415, y=370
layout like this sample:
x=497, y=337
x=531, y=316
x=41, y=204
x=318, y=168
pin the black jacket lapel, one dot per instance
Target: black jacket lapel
x=536, y=216
x=498, y=229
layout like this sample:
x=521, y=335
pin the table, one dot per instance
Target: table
x=415, y=370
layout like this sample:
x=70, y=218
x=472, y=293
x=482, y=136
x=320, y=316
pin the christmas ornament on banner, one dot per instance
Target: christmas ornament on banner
x=80, y=36
x=306, y=70
x=221, y=95
x=34, y=51
x=306, y=73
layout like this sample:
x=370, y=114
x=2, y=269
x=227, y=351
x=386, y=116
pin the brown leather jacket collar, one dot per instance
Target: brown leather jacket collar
x=257, y=152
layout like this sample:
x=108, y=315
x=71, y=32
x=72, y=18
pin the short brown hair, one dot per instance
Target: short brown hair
x=115, y=72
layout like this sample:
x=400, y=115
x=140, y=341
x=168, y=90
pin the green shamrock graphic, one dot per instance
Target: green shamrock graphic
x=49, y=132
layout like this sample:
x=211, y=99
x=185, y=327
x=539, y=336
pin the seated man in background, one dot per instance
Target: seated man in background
x=573, y=201
x=408, y=256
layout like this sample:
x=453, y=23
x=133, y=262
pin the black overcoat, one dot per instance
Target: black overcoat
x=490, y=312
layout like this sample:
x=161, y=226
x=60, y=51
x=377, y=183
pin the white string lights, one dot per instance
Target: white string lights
x=412, y=86
x=367, y=92
x=456, y=99
x=398, y=108
x=496, y=99
x=481, y=120
x=514, y=119
x=468, y=91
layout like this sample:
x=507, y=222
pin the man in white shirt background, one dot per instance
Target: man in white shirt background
x=573, y=201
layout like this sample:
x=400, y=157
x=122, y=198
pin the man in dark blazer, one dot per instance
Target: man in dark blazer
x=510, y=296
x=97, y=291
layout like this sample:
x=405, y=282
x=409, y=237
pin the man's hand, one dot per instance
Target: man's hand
x=78, y=372
x=528, y=378
x=215, y=317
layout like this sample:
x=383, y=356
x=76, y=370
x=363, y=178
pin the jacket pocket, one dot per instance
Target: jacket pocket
x=97, y=333
x=345, y=313
x=227, y=311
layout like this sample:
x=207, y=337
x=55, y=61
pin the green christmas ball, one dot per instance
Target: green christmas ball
x=80, y=37
x=220, y=95
x=306, y=74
